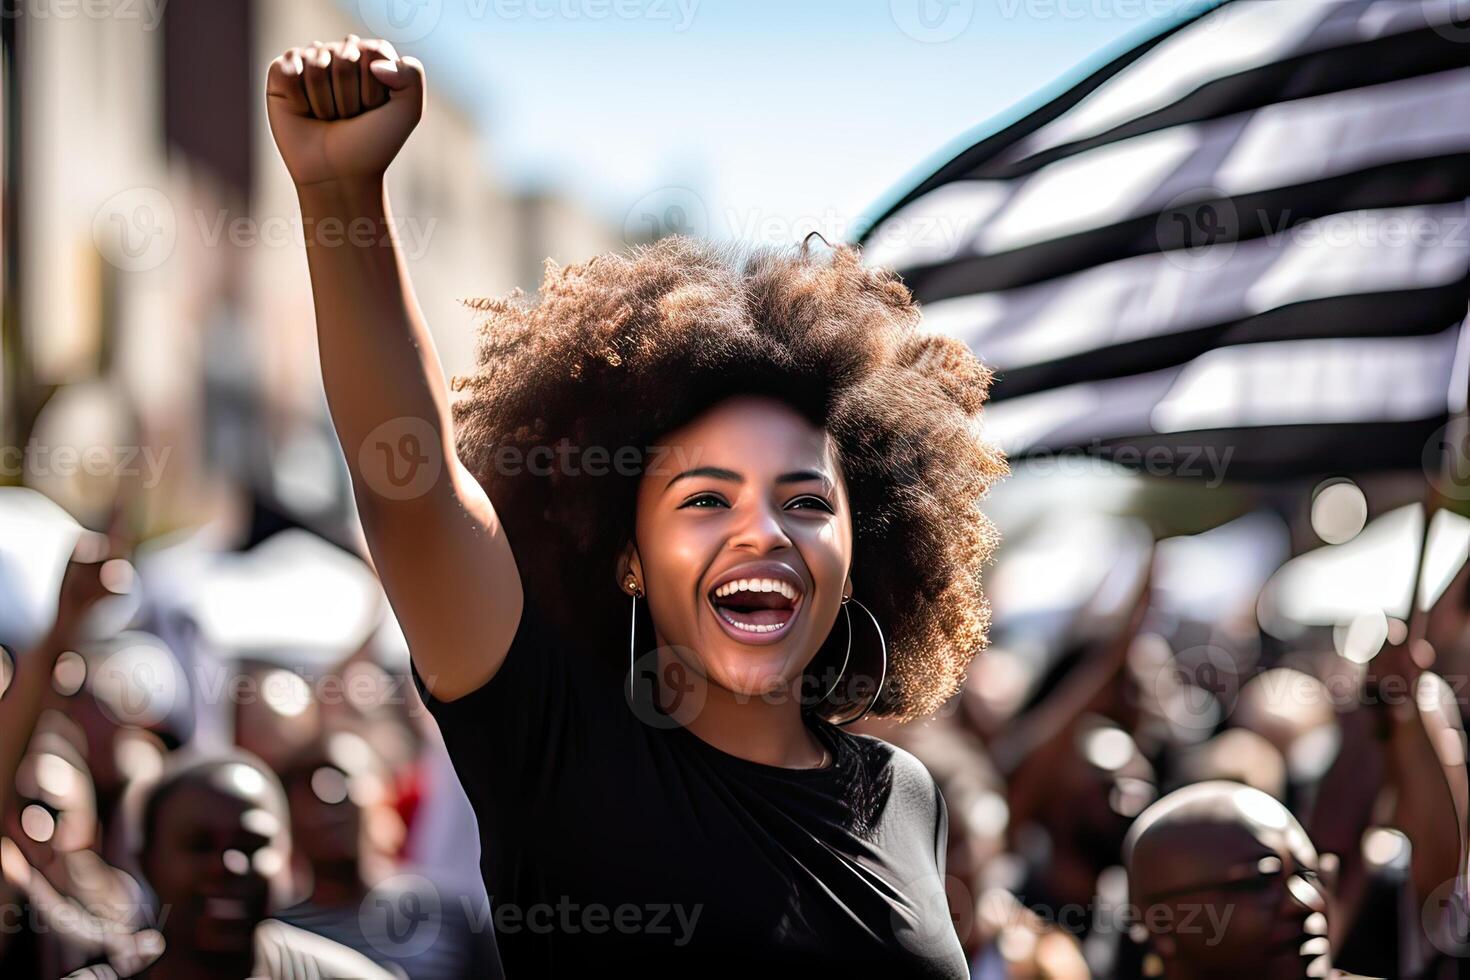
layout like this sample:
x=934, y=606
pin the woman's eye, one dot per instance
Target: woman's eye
x=811, y=502
x=703, y=500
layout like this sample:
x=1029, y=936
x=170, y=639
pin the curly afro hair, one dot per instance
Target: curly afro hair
x=625, y=348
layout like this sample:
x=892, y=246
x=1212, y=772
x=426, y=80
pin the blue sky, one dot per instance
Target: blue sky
x=756, y=119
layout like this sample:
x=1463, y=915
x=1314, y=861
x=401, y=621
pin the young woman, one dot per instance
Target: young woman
x=621, y=573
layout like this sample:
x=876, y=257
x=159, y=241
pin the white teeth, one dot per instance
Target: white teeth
x=758, y=585
x=750, y=627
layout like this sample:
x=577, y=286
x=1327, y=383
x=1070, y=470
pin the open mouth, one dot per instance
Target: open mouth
x=758, y=607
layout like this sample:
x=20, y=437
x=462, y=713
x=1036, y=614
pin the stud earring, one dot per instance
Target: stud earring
x=633, y=587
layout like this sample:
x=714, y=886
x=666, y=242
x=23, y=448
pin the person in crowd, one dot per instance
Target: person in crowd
x=212, y=841
x=83, y=907
x=76, y=904
x=1071, y=831
x=690, y=579
x=1383, y=858
x=95, y=571
x=345, y=828
x=634, y=653
x=1227, y=883
x=1401, y=765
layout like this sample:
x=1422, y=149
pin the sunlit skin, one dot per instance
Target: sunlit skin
x=54, y=828
x=91, y=576
x=1227, y=884
x=69, y=800
x=750, y=480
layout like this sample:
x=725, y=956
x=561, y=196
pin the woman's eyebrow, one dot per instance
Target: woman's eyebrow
x=807, y=476
x=713, y=472
x=718, y=473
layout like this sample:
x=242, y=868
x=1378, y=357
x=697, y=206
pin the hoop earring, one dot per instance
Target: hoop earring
x=883, y=670
x=845, y=657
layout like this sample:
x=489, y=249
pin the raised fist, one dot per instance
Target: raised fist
x=340, y=112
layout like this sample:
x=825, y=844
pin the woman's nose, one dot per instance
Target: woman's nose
x=759, y=528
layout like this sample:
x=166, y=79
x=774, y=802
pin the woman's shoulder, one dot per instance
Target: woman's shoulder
x=896, y=766
x=883, y=752
x=892, y=788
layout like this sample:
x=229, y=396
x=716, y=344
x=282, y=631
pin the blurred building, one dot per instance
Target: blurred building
x=160, y=295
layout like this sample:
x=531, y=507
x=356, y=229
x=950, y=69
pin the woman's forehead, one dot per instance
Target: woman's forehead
x=746, y=433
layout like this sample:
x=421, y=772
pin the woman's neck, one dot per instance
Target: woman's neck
x=769, y=731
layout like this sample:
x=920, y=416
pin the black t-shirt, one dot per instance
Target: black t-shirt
x=607, y=840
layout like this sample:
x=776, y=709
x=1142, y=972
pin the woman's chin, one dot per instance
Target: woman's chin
x=763, y=675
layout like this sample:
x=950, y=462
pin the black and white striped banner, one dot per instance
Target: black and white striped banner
x=1250, y=233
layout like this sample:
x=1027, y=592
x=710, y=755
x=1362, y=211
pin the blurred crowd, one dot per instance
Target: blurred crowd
x=1202, y=757
x=1209, y=755
x=215, y=764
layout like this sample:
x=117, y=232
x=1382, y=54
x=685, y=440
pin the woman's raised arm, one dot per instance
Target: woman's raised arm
x=340, y=113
